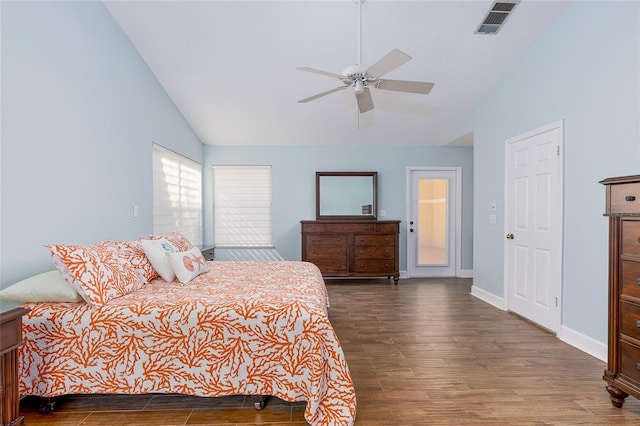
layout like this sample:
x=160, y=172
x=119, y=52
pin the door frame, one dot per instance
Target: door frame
x=457, y=226
x=560, y=218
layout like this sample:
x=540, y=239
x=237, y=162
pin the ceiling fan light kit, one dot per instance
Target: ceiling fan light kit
x=361, y=77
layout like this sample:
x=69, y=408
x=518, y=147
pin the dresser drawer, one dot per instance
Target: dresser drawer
x=374, y=252
x=630, y=361
x=392, y=228
x=624, y=198
x=325, y=251
x=350, y=227
x=630, y=238
x=374, y=266
x=313, y=227
x=328, y=266
x=374, y=240
x=338, y=240
x=630, y=319
x=630, y=279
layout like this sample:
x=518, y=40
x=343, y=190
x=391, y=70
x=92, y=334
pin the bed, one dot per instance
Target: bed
x=239, y=328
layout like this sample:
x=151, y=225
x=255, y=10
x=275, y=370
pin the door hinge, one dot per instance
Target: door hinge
x=558, y=150
x=556, y=301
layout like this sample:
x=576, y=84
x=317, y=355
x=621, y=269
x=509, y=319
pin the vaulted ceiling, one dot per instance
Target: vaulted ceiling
x=230, y=66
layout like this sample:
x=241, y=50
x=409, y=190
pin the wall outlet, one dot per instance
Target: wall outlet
x=383, y=213
x=135, y=211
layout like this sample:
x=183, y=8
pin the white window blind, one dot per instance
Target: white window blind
x=177, y=195
x=242, y=206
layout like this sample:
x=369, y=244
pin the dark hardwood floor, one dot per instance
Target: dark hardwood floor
x=424, y=352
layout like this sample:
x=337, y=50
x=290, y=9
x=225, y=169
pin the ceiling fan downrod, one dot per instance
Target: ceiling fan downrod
x=359, y=30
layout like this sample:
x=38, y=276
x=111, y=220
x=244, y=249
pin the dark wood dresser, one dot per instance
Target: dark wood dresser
x=10, y=340
x=623, y=209
x=352, y=248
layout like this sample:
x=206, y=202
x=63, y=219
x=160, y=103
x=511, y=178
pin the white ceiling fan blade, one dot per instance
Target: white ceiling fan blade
x=365, y=101
x=327, y=73
x=389, y=62
x=405, y=86
x=319, y=95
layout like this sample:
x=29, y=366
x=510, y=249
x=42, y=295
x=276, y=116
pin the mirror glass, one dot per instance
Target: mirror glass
x=346, y=195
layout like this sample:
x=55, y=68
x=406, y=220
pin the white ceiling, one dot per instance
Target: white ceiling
x=230, y=66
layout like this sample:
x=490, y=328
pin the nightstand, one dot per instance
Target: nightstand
x=208, y=251
x=10, y=340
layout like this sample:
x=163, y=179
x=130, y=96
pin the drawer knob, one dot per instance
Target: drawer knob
x=638, y=281
x=630, y=198
x=638, y=366
x=638, y=323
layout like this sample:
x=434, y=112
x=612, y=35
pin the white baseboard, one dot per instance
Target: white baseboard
x=490, y=298
x=568, y=335
x=584, y=343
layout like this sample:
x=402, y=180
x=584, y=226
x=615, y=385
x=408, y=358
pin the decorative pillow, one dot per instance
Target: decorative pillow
x=96, y=271
x=133, y=253
x=178, y=240
x=157, y=252
x=46, y=287
x=188, y=264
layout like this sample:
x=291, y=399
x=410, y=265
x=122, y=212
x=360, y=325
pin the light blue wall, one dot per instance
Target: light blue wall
x=293, y=182
x=80, y=110
x=585, y=70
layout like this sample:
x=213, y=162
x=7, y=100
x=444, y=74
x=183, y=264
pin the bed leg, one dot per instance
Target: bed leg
x=46, y=406
x=259, y=401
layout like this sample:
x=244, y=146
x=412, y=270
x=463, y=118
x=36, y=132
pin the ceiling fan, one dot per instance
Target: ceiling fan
x=362, y=77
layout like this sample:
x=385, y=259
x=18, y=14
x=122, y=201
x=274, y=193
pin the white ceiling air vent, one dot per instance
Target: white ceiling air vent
x=496, y=16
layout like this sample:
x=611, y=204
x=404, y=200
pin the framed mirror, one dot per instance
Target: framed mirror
x=346, y=195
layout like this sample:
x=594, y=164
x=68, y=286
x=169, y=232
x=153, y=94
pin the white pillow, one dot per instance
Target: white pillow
x=46, y=287
x=157, y=252
x=188, y=264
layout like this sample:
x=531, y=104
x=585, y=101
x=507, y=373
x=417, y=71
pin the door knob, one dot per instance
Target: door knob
x=509, y=236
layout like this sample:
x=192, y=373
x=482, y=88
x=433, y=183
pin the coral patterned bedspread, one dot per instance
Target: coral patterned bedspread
x=247, y=328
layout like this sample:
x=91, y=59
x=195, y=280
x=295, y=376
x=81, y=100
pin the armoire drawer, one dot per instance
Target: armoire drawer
x=624, y=198
x=630, y=319
x=630, y=279
x=630, y=361
x=630, y=238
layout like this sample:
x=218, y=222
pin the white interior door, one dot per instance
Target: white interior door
x=533, y=221
x=433, y=224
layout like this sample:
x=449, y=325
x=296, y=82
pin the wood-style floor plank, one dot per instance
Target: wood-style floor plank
x=424, y=352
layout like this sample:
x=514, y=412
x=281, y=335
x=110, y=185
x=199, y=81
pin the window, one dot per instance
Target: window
x=177, y=195
x=242, y=206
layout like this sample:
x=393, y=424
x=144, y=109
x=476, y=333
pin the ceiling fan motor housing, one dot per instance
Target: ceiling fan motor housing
x=357, y=75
